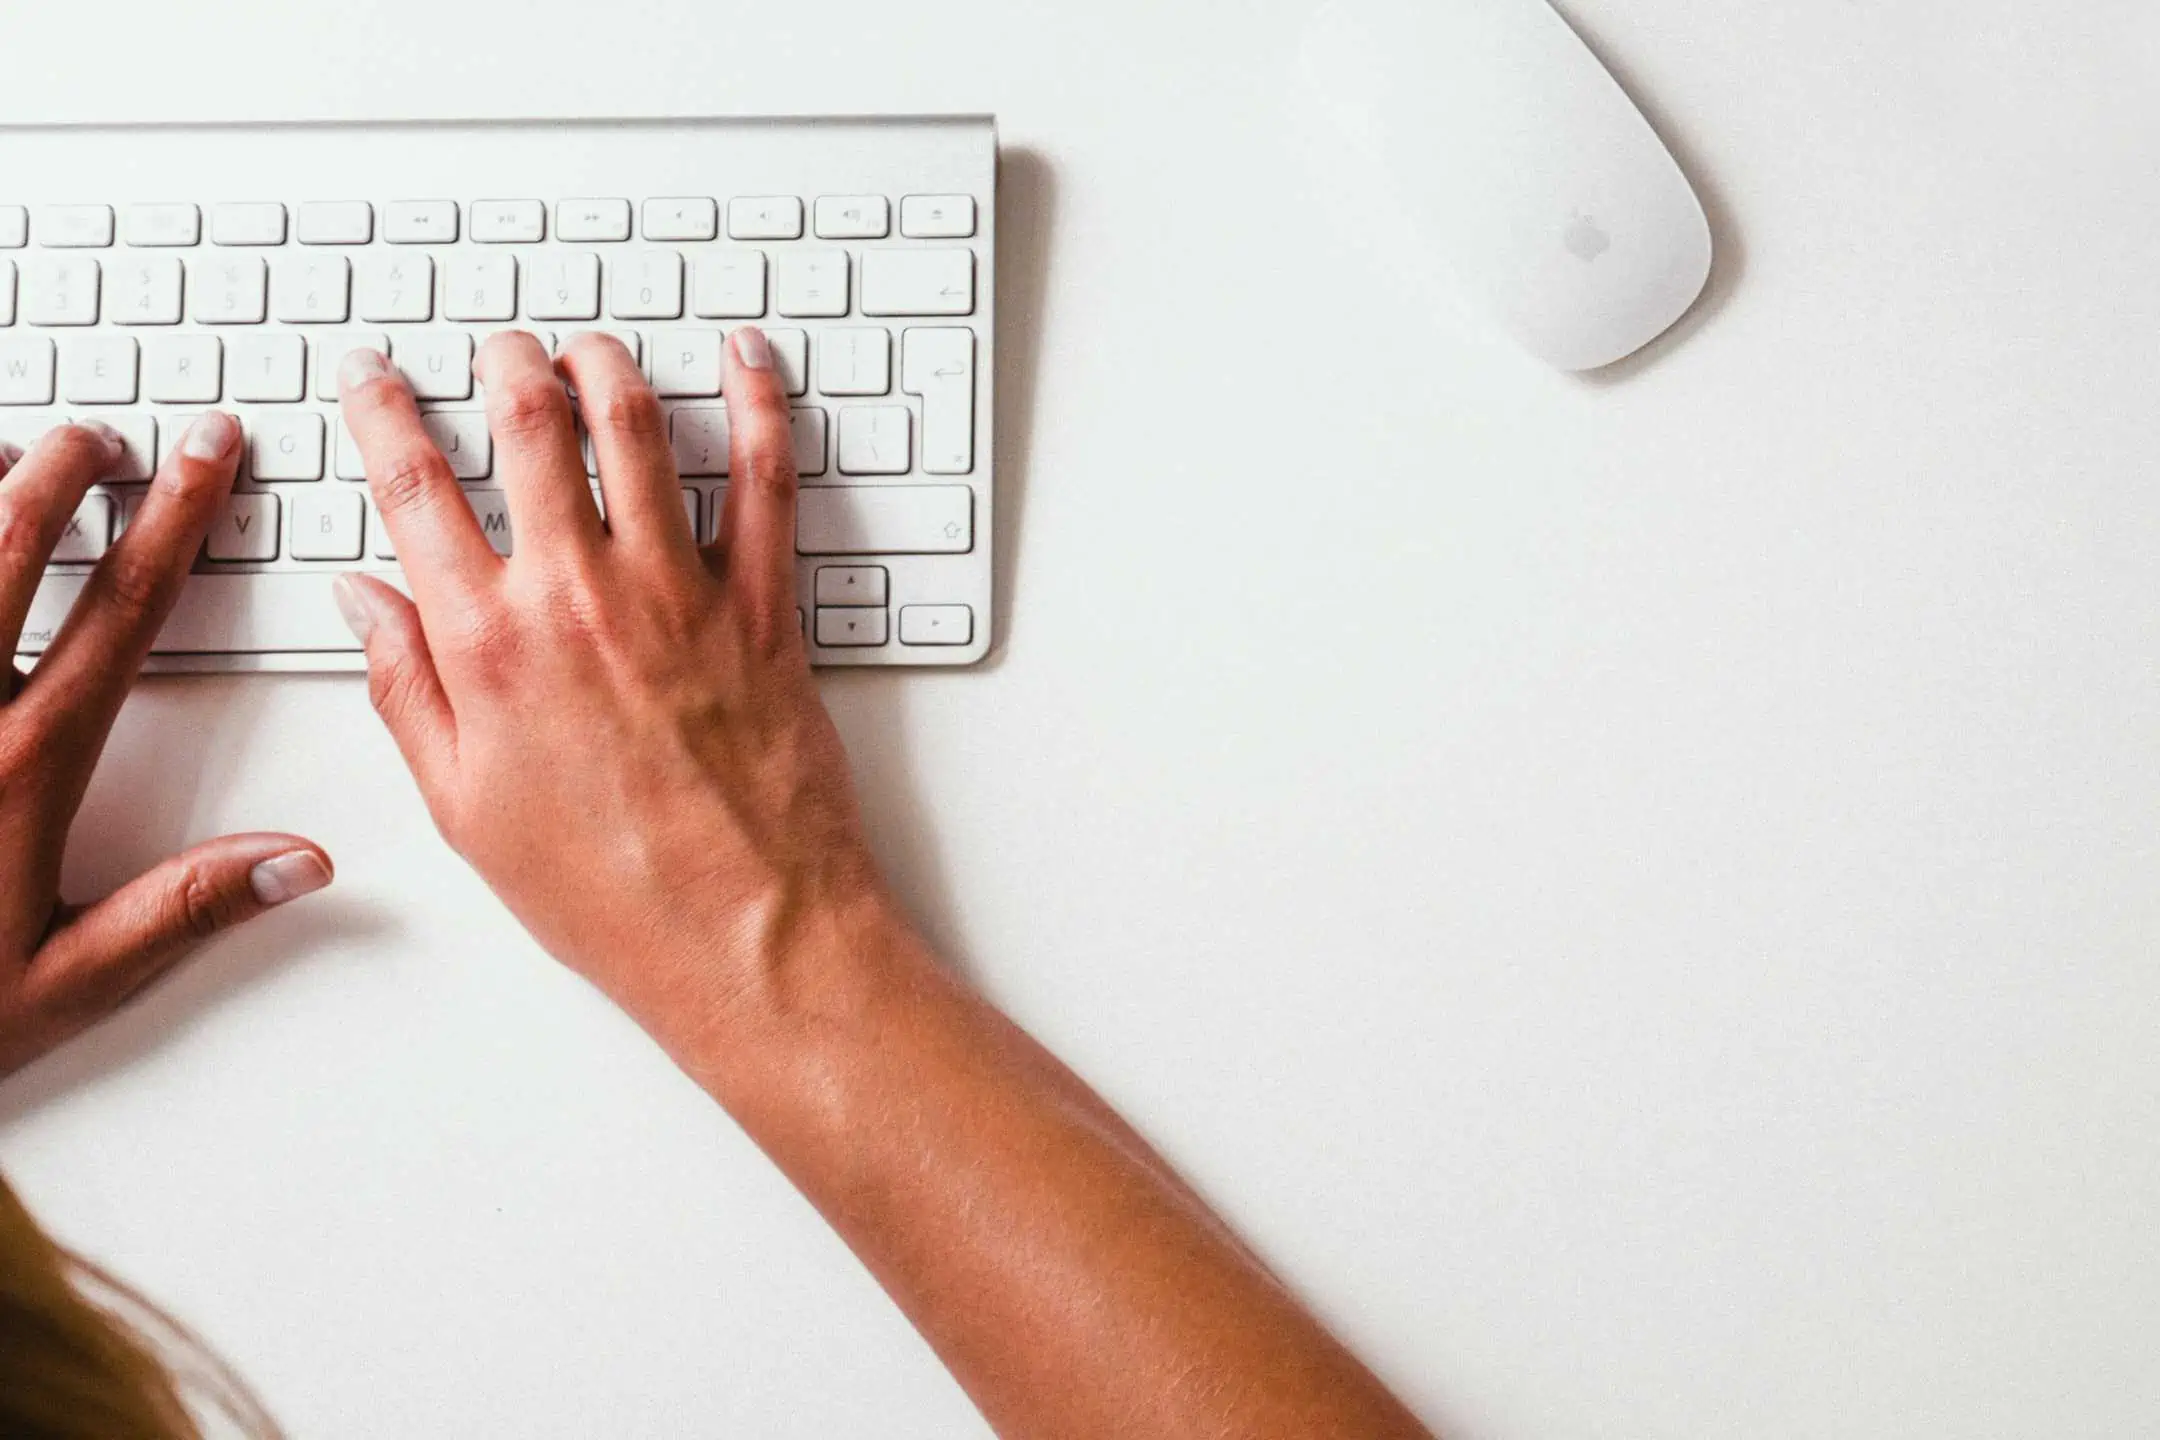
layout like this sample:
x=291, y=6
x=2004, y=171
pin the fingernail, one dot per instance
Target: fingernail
x=10, y=452
x=751, y=348
x=360, y=366
x=114, y=445
x=287, y=877
x=359, y=615
x=212, y=434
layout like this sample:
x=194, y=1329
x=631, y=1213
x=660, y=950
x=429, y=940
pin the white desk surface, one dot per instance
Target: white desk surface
x=1638, y=896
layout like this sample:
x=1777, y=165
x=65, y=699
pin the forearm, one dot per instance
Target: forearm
x=1072, y=1283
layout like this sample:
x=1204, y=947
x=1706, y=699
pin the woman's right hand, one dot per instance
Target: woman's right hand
x=618, y=730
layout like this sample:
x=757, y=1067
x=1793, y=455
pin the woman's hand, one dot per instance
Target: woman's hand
x=65, y=967
x=617, y=729
x=621, y=734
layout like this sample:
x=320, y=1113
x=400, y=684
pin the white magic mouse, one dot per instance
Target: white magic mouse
x=1494, y=141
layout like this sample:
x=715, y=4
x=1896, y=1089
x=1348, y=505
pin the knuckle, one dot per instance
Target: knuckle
x=131, y=585
x=22, y=531
x=528, y=406
x=410, y=480
x=204, y=907
x=631, y=410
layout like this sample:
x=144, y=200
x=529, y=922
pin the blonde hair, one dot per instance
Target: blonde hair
x=83, y=1357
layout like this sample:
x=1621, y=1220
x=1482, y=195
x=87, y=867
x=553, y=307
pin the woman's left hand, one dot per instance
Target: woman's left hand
x=65, y=967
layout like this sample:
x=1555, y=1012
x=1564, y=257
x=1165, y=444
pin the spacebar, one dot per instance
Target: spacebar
x=217, y=615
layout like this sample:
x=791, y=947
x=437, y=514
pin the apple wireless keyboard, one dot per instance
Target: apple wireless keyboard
x=866, y=248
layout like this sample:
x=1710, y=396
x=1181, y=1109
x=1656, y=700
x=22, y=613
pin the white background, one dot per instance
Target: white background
x=1638, y=895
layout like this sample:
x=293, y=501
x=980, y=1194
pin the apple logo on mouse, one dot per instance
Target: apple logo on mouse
x=1585, y=239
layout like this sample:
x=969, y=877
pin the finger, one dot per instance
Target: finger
x=93, y=661
x=757, y=525
x=536, y=447
x=402, y=681
x=439, y=543
x=106, y=954
x=629, y=434
x=38, y=496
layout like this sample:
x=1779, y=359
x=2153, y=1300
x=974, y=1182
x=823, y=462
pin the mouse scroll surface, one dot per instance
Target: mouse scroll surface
x=1506, y=150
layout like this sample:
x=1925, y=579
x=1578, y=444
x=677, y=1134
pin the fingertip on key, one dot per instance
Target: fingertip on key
x=114, y=445
x=360, y=366
x=211, y=437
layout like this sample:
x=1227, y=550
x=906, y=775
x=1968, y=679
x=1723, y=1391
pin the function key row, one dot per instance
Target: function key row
x=596, y=220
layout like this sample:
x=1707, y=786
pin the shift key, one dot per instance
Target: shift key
x=885, y=520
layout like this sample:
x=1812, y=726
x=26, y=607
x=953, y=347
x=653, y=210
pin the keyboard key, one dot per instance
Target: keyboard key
x=493, y=511
x=330, y=353
x=7, y=292
x=508, y=222
x=681, y=218
x=807, y=428
x=14, y=227
x=937, y=217
x=850, y=627
x=347, y=465
x=231, y=290
x=335, y=222
x=690, y=510
x=699, y=436
x=765, y=217
x=314, y=289
x=851, y=585
x=812, y=283
x=269, y=367
x=480, y=286
x=436, y=363
x=420, y=222
x=246, y=529
x=182, y=369
x=586, y=220
x=918, y=282
x=939, y=365
x=885, y=520
x=327, y=525
x=26, y=370
x=646, y=286
x=730, y=285
x=875, y=440
x=936, y=625
x=254, y=223
x=791, y=357
x=98, y=370
x=686, y=363
x=151, y=225
x=145, y=290
x=563, y=285
x=74, y=226
x=216, y=614
x=60, y=290
x=88, y=534
x=855, y=361
x=462, y=436
x=629, y=338
x=395, y=287
x=138, y=447
x=853, y=217
x=285, y=445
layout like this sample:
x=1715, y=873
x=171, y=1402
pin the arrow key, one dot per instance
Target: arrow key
x=936, y=625
x=851, y=585
x=850, y=627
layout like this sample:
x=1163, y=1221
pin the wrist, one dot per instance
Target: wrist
x=786, y=982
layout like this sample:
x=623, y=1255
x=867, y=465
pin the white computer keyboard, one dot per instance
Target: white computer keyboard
x=147, y=273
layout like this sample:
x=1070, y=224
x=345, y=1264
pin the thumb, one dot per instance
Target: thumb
x=103, y=954
x=402, y=683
